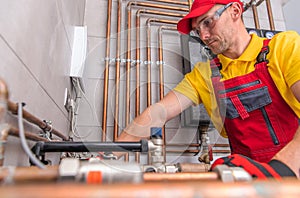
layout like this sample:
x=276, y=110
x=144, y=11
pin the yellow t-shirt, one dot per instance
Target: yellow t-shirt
x=284, y=68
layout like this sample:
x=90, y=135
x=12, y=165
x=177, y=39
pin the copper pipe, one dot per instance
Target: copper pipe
x=183, y=151
x=137, y=66
x=3, y=98
x=190, y=3
x=179, y=177
x=3, y=111
x=31, y=174
x=221, y=151
x=139, y=12
x=29, y=135
x=270, y=14
x=148, y=24
x=197, y=145
x=106, y=71
x=13, y=108
x=161, y=69
x=128, y=56
x=117, y=78
x=129, y=5
x=159, y=6
x=3, y=140
x=172, y=2
x=213, y=188
x=155, y=12
x=255, y=16
x=193, y=168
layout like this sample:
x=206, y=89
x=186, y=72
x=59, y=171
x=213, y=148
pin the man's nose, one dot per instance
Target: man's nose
x=204, y=34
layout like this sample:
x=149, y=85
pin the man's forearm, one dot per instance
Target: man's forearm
x=290, y=154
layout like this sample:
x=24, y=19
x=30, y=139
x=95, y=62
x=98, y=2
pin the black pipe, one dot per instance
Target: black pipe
x=43, y=147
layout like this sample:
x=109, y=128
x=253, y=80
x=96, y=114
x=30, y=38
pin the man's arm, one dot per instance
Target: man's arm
x=290, y=154
x=155, y=116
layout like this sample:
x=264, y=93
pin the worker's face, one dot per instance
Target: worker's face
x=214, y=29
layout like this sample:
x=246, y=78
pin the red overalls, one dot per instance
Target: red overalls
x=257, y=120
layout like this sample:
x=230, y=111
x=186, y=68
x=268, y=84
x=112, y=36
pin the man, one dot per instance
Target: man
x=252, y=86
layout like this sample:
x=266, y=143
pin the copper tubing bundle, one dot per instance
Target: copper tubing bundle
x=13, y=108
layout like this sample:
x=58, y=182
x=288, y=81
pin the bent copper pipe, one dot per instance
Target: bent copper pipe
x=138, y=18
x=172, y=2
x=129, y=6
x=14, y=132
x=148, y=48
x=29, y=135
x=13, y=108
x=137, y=100
x=159, y=6
x=106, y=71
x=161, y=68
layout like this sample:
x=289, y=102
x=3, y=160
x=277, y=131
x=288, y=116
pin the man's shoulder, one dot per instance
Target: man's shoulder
x=285, y=36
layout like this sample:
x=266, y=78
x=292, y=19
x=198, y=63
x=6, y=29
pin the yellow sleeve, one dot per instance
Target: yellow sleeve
x=287, y=50
x=194, y=85
x=186, y=88
x=284, y=64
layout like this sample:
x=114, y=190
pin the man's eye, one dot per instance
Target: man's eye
x=207, y=22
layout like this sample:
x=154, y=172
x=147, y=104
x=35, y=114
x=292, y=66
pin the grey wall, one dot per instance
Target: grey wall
x=35, y=53
x=291, y=15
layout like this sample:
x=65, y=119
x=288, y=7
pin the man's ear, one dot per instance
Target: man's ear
x=236, y=10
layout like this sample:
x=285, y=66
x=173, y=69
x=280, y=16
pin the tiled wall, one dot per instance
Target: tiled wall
x=35, y=53
x=90, y=113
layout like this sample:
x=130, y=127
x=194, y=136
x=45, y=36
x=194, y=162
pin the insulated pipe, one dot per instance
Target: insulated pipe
x=106, y=71
x=270, y=14
x=43, y=147
x=13, y=108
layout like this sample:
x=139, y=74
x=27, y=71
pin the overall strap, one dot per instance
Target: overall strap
x=215, y=67
x=262, y=56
